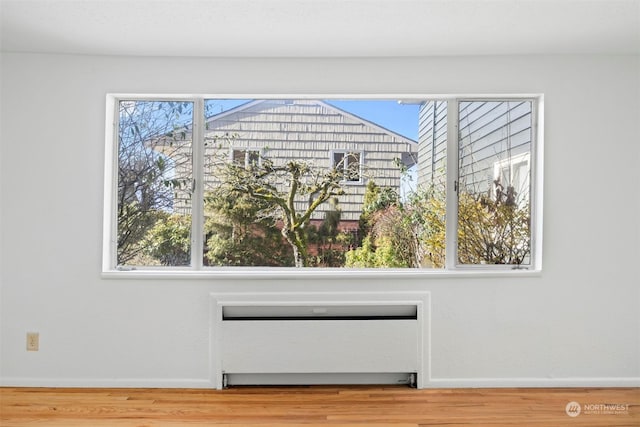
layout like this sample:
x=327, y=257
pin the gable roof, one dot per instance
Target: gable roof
x=357, y=119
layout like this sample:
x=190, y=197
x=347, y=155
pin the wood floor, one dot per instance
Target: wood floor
x=356, y=406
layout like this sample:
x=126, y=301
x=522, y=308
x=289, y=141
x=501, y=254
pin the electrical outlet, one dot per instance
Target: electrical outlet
x=33, y=341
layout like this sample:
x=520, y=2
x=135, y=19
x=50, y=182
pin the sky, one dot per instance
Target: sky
x=390, y=114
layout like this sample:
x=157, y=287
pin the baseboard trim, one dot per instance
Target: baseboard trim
x=432, y=383
x=532, y=382
x=106, y=383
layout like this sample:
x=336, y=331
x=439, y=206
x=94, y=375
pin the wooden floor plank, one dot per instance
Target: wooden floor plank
x=344, y=406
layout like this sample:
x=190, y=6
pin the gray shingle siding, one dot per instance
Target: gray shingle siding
x=490, y=132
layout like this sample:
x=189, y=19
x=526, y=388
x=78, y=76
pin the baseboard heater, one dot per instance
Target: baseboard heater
x=318, y=343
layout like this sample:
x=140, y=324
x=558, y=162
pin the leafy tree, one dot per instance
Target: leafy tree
x=391, y=238
x=381, y=255
x=239, y=236
x=277, y=189
x=362, y=257
x=375, y=199
x=169, y=240
x=328, y=240
x=428, y=210
x=492, y=230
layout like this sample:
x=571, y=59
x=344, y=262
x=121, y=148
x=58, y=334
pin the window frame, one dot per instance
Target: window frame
x=535, y=162
x=197, y=270
x=345, y=166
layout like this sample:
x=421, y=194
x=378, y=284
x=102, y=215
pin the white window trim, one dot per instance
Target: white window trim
x=360, y=179
x=196, y=271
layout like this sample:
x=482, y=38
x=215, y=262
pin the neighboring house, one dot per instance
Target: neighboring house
x=432, y=137
x=494, y=149
x=312, y=131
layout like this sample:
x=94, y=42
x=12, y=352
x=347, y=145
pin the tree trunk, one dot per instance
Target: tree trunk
x=298, y=246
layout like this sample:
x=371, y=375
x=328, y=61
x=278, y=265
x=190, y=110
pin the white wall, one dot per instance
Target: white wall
x=576, y=324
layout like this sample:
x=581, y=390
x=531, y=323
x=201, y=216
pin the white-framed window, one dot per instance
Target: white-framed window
x=349, y=163
x=510, y=179
x=182, y=195
x=247, y=157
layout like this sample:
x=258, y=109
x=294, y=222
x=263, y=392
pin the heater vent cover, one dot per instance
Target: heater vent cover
x=311, y=341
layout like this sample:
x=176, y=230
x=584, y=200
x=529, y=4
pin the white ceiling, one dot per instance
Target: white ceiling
x=320, y=28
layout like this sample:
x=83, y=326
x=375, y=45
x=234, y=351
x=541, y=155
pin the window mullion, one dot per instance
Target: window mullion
x=452, y=187
x=197, y=197
x=535, y=185
x=110, y=244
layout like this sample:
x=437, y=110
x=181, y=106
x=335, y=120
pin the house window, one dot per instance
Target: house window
x=245, y=157
x=349, y=163
x=511, y=180
x=199, y=184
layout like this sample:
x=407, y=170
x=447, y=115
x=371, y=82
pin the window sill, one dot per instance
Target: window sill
x=317, y=273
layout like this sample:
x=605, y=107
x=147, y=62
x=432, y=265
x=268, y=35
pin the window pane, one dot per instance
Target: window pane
x=338, y=160
x=253, y=158
x=494, y=182
x=154, y=183
x=239, y=157
x=352, y=167
x=304, y=199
